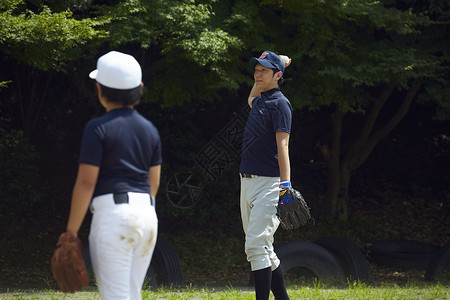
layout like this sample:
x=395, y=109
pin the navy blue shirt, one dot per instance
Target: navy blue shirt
x=270, y=113
x=124, y=145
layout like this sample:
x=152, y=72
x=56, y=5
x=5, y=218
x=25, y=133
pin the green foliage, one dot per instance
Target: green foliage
x=180, y=52
x=438, y=92
x=57, y=5
x=243, y=19
x=4, y=84
x=44, y=40
x=339, y=47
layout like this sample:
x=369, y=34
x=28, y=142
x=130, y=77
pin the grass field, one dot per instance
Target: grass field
x=316, y=292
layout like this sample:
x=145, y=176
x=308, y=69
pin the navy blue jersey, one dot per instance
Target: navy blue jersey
x=270, y=113
x=124, y=145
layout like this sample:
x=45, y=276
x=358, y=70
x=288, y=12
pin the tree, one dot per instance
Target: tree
x=175, y=41
x=33, y=44
x=178, y=45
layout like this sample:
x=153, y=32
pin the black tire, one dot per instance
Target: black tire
x=349, y=256
x=150, y=278
x=165, y=267
x=403, y=254
x=310, y=257
x=439, y=266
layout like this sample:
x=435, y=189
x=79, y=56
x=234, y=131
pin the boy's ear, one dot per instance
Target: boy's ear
x=99, y=89
x=278, y=75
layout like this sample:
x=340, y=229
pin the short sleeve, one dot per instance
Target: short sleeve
x=282, y=117
x=157, y=152
x=91, y=146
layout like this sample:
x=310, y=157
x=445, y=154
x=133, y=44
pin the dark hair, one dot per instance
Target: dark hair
x=281, y=80
x=125, y=97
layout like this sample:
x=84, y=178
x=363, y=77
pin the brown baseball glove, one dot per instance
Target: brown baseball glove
x=68, y=266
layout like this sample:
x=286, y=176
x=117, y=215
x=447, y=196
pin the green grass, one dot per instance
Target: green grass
x=314, y=292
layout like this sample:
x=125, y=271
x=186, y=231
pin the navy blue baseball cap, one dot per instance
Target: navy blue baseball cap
x=268, y=59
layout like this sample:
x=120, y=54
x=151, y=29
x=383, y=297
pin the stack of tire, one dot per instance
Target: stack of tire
x=411, y=255
x=330, y=259
x=164, y=269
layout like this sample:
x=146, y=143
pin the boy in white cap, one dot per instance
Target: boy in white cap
x=118, y=178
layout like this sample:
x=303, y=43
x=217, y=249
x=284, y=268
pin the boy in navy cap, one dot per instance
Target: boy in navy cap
x=264, y=170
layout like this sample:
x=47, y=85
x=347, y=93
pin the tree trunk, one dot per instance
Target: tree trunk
x=334, y=164
x=31, y=93
x=341, y=165
x=342, y=211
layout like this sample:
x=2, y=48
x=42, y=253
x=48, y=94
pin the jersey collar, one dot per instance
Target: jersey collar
x=271, y=91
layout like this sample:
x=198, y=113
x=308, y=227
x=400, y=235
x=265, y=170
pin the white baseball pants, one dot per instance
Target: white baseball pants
x=259, y=198
x=122, y=239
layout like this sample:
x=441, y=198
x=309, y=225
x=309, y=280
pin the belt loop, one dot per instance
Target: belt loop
x=245, y=175
x=121, y=198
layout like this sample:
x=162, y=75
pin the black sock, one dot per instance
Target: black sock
x=262, y=283
x=277, y=284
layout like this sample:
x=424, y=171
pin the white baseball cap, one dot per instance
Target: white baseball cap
x=118, y=71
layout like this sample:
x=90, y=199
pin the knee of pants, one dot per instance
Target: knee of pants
x=261, y=257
